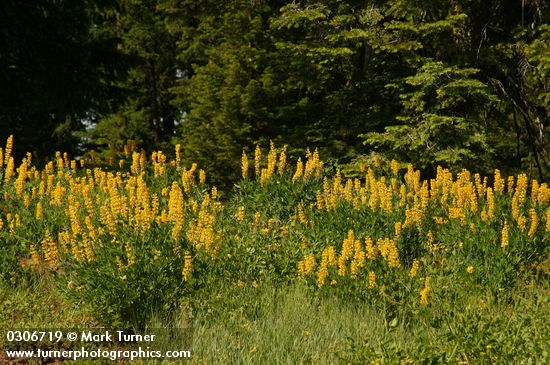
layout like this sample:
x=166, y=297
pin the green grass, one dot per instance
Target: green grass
x=295, y=324
x=39, y=304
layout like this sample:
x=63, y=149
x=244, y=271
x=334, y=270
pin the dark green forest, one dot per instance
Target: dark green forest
x=457, y=83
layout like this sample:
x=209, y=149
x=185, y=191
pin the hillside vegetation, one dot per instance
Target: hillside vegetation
x=296, y=264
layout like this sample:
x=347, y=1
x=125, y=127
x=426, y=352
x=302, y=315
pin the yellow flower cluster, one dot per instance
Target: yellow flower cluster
x=505, y=235
x=158, y=160
x=35, y=256
x=347, y=252
x=98, y=205
x=39, y=211
x=244, y=165
x=414, y=268
x=358, y=260
x=155, y=196
x=499, y=182
x=8, y=160
x=394, y=165
x=306, y=266
x=49, y=247
x=202, y=232
x=430, y=242
x=282, y=161
x=352, y=259
x=372, y=250
x=177, y=149
x=388, y=250
x=518, y=200
x=187, y=266
x=534, y=222
x=240, y=213
x=468, y=199
x=176, y=214
x=275, y=162
x=328, y=260
x=425, y=292
x=257, y=161
x=372, y=279
x=314, y=165
x=302, y=215
x=131, y=259
x=299, y=170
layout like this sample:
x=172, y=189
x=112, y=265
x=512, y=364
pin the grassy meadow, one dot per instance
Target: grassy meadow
x=298, y=263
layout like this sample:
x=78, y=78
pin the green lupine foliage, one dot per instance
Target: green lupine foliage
x=320, y=73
